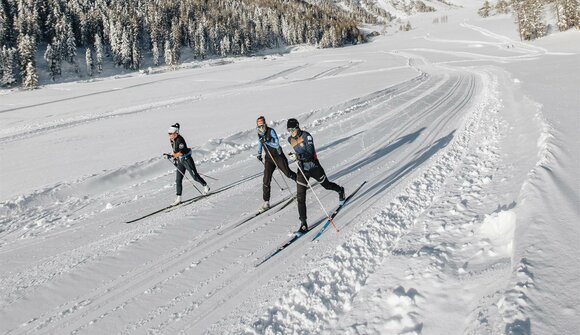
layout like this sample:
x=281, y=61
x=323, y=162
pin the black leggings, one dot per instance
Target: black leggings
x=301, y=186
x=269, y=166
x=189, y=165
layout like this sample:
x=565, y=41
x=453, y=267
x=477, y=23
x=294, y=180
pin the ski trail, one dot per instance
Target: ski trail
x=311, y=306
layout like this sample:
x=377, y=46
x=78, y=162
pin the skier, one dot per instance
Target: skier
x=183, y=161
x=274, y=158
x=308, y=166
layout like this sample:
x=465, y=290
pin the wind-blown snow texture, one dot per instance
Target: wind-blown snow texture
x=468, y=223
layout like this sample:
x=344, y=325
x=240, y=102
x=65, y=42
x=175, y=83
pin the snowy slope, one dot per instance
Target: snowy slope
x=466, y=137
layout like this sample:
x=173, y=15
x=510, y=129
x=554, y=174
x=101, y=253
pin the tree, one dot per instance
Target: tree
x=30, y=81
x=8, y=66
x=89, y=61
x=99, y=53
x=502, y=7
x=168, y=53
x=485, y=10
x=52, y=58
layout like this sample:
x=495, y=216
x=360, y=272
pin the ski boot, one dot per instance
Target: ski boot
x=265, y=206
x=341, y=197
x=177, y=201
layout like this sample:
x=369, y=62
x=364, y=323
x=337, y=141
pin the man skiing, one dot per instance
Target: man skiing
x=308, y=166
x=274, y=158
x=183, y=161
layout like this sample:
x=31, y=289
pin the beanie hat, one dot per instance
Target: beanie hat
x=292, y=123
x=173, y=129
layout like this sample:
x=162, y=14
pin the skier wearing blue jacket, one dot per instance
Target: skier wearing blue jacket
x=273, y=158
x=305, y=154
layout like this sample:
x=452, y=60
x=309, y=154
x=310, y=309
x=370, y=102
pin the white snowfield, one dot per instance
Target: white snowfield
x=468, y=223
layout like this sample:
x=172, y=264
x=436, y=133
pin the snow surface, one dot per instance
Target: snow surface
x=468, y=224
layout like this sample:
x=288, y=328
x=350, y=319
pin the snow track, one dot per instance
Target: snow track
x=434, y=226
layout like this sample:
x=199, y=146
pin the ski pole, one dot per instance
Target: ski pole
x=281, y=189
x=208, y=176
x=183, y=174
x=319, y=202
x=277, y=168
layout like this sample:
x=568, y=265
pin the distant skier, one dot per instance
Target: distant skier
x=274, y=158
x=308, y=166
x=183, y=161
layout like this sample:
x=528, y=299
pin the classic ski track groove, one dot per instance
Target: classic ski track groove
x=175, y=258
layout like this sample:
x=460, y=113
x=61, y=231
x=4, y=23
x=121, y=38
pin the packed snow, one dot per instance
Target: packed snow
x=468, y=223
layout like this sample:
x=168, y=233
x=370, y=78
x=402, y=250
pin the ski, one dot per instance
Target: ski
x=333, y=215
x=283, y=203
x=297, y=235
x=194, y=199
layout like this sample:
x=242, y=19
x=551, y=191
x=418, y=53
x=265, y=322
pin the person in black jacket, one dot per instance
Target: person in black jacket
x=308, y=166
x=183, y=161
x=273, y=158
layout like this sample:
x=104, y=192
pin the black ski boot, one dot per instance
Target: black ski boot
x=341, y=196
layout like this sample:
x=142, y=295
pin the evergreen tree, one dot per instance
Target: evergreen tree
x=99, y=53
x=155, y=54
x=89, y=62
x=8, y=66
x=52, y=58
x=168, y=53
x=30, y=81
x=502, y=7
x=485, y=10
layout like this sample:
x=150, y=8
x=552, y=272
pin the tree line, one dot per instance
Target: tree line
x=529, y=15
x=123, y=32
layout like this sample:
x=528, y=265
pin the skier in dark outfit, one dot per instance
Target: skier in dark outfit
x=305, y=155
x=274, y=157
x=183, y=161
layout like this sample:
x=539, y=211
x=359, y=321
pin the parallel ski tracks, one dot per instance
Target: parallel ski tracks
x=120, y=292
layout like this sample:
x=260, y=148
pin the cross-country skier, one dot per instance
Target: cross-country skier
x=183, y=161
x=273, y=158
x=308, y=166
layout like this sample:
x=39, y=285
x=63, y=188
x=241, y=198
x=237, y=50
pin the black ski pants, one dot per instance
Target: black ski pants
x=189, y=165
x=281, y=162
x=301, y=186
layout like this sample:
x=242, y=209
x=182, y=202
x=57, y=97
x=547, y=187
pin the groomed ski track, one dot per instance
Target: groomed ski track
x=410, y=139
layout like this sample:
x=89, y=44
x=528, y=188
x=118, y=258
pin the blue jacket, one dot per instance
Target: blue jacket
x=270, y=138
x=303, y=146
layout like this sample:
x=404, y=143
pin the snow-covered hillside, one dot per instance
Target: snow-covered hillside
x=467, y=224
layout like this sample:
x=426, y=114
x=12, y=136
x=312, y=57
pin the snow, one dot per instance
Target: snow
x=467, y=139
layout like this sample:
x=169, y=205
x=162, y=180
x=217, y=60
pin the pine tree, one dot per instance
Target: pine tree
x=168, y=53
x=30, y=81
x=485, y=10
x=8, y=66
x=502, y=7
x=52, y=58
x=155, y=54
x=99, y=53
x=89, y=62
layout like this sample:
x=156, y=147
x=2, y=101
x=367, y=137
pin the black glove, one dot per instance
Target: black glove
x=259, y=157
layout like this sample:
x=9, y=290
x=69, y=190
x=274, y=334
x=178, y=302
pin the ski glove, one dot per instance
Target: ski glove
x=259, y=157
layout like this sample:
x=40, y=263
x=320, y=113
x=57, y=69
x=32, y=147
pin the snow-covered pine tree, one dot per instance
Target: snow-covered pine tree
x=502, y=7
x=89, y=61
x=8, y=66
x=30, y=80
x=53, y=61
x=99, y=53
x=155, y=53
x=26, y=50
x=168, y=53
x=176, y=42
x=485, y=10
